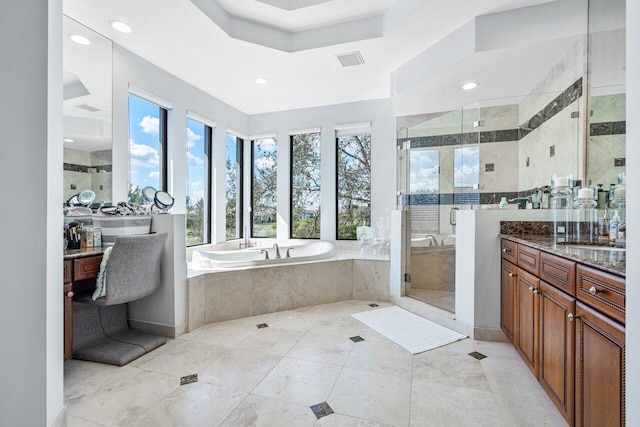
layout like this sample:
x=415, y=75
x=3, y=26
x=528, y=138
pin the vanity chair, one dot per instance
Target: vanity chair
x=101, y=331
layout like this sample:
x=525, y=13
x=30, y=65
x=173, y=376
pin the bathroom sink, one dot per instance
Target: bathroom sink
x=596, y=248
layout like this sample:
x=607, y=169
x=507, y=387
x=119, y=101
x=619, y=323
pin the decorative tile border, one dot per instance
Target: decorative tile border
x=86, y=169
x=526, y=227
x=562, y=101
x=608, y=128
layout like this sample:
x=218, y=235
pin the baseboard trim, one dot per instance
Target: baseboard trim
x=153, y=328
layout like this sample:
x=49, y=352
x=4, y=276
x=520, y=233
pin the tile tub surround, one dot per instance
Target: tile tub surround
x=234, y=294
x=272, y=377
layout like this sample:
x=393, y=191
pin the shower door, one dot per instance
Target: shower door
x=438, y=167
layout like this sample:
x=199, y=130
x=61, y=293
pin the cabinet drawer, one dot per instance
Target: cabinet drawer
x=510, y=251
x=559, y=272
x=529, y=259
x=67, y=271
x=86, y=268
x=602, y=291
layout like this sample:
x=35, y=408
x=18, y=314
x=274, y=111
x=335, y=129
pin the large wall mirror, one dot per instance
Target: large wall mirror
x=605, y=148
x=87, y=94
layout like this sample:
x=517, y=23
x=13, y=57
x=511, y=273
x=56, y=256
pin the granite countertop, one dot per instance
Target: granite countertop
x=612, y=260
x=79, y=253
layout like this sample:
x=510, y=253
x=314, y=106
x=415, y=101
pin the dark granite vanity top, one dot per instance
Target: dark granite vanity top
x=79, y=253
x=612, y=260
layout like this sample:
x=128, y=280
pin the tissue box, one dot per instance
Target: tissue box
x=114, y=226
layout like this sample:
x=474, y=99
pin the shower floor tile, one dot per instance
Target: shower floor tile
x=273, y=376
x=445, y=300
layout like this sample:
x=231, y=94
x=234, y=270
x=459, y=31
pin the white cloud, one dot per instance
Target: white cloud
x=194, y=161
x=143, y=155
x=154, y=175
x=195, y=184
x=192, y=137
x=150, y=125
x=268, y=144
x=265, y=162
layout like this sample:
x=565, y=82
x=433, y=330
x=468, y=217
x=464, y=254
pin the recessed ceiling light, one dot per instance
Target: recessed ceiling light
x=123, y=27
x=470, y=85
x=68, y=140
x=80, y=39
x=261, y=81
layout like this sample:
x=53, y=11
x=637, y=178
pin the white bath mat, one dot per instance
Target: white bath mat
x=413, y=333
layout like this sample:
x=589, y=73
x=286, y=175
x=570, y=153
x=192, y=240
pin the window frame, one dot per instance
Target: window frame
x=337, y=188
x=208, y=152
x=291, y=137
x=239, y=188
x=251, y=189
x=163, y=140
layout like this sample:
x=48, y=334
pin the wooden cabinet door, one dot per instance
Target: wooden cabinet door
x=527, y=318
x=68, y=321
x=600, y=369
x=508, y=300
x=557, y=348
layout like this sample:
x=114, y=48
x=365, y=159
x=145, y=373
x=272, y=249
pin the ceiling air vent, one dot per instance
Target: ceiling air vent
x=88, y=108
x=350, y=59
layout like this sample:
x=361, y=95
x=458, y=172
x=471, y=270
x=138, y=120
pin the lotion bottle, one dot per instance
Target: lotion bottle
x=613, y=227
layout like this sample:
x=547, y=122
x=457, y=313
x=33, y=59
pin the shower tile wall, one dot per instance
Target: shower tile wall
x=607, y=139
x=433, y=269
x=77, y=173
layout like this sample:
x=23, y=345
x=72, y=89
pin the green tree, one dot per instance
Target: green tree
x=354, y=184
x=265, y=172
x=305, y=186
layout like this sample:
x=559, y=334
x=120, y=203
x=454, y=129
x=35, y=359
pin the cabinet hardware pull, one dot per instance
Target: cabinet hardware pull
x=505, y=250
x=593, y=291
x=535, y=292
x=570, y=316
x=530, y=288
x=70, y=294
x=511, y=274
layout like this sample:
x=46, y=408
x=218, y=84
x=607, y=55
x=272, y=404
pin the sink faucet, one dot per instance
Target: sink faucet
x=277, y=249
x=265, y=252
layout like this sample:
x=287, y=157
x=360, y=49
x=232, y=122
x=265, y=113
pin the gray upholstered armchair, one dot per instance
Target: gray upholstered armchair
x=100, y=328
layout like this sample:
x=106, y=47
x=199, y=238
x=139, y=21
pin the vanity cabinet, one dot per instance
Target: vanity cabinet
x=566, y=320
x=557, y=348
x=507, y=300
x=79, y=273
x=527, y=318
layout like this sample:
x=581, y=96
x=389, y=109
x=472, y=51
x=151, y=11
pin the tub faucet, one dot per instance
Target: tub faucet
x=277, y=249
x=265, y=252
x=288, y=253
x=432, y=240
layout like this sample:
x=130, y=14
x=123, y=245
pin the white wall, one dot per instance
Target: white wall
x=31, y=323
x=383, y=155
x=478, y=263
x=633, y=221
x=130, y=69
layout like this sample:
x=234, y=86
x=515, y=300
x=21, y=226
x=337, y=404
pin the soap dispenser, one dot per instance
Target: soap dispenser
x=613, y=227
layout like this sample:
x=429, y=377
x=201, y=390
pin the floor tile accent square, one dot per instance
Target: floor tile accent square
x=476, y=355
x=262, y=325
x=357, y=338
x=188, y=379
x=322, y=410
x=373, y=305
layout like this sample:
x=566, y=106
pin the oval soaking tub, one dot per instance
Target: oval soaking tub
x=258, y=256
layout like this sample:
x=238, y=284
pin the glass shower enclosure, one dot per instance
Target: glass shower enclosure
x=438, y=164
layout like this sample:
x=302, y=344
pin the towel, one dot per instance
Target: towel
x=101, y=280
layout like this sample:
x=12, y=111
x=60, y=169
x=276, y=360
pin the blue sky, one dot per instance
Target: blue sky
x=144, y=142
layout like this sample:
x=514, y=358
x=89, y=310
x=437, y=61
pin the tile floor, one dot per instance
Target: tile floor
x=273, y=376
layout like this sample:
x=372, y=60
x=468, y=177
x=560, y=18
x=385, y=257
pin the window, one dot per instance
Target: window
x=233, y=187
x=424, y=189
x=264, y=187
x=147, y=147
x=199, y=138
x=353, y=184
x=305, y=186
x=466, y=169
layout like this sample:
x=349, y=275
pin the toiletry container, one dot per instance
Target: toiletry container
x=503, y=203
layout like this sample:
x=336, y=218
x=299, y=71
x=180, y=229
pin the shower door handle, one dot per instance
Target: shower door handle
x=452, y=219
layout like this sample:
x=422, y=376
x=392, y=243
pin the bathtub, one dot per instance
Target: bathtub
x=256, y=256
